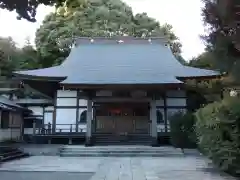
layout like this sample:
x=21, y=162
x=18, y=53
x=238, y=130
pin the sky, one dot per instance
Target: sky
x=183, y=15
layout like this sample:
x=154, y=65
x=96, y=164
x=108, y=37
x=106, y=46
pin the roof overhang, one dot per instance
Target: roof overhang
x=37, y=78
x=5, y=107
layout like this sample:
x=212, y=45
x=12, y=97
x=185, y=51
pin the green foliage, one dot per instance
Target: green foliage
x=26, y=8
x=223, y=38
x=14, y=58
x=182, y=127
x=91, y=18
x=8, y=56
x=218, y=132
x=205, y=60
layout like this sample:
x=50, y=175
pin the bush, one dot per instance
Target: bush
x=182, y=126
x=218, y=132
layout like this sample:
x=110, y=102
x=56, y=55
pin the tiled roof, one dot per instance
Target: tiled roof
x=10, y=105
x=120, y=61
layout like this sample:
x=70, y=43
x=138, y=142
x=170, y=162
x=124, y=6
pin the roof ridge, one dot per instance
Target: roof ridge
x=120, y=40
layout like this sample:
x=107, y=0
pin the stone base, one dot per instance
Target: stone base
x=88, y=142
x=155, y=143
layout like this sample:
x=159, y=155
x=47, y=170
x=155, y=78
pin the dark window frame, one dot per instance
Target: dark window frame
x=160, y=117
x=5, y=121
x=83, y=117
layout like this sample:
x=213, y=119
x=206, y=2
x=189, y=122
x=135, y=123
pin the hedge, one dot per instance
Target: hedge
x=182, y=126
x=218, y=132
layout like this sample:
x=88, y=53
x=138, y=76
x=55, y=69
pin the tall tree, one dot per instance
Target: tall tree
x=14, y=58
x=223, y=39
x=29, y=57
x=93, y=18
x=8, y=56
x=205, y=60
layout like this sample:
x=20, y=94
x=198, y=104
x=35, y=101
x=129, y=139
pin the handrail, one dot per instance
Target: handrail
x=48, y=129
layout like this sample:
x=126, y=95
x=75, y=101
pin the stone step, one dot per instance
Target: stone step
x=117, y=151
x=9, y=153
x=117, y=154
x=120, y=151
x=13, y=156
x=165, y=148
x=141, y=139
x=121, y=143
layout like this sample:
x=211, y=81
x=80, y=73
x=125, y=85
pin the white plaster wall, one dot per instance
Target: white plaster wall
x=176, y=93
x=49, y=108
x=62, y=93
x=82, y=102
x=65, y=117
x=7, y=134
x=28, y=130
x=48, y=117
x=66, y=101
x=176, y=102
x=36, y=109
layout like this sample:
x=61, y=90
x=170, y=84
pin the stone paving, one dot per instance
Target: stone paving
x=45, y=176
x=106, y=168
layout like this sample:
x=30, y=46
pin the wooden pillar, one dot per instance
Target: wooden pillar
x=89, y=122
x=54, y=113
x=77, y=110
x=153, y=118
x=153, y=115
x=34, y=128
x=165, y=113
x=43, y=116
x=21, y=126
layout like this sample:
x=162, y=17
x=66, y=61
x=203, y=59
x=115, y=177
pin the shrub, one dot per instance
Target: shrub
x=218, y=132
x=182, y=126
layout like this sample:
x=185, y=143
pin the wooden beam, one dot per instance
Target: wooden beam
x=114, y=99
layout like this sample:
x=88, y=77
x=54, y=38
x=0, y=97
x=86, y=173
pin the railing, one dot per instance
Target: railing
x=162, y=129
x=81, y=128
x=60, y=128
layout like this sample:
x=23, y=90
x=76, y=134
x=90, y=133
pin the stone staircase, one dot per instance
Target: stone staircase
x=130, y=139
x=118, y=151
x=8, y=153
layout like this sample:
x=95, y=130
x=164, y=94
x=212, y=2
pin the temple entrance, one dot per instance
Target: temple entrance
x=122, y=118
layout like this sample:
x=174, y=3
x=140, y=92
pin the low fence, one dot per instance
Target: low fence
x=60, y=128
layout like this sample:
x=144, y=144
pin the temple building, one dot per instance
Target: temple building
x=111, y=90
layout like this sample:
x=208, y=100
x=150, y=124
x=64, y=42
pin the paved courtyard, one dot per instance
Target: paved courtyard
x=125, y=168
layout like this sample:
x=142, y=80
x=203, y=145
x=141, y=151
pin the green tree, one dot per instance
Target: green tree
x=91, y=18
x=205, y=60
x=14, y=58
x=8, y=56
x=29, y=58
x=224, y=35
